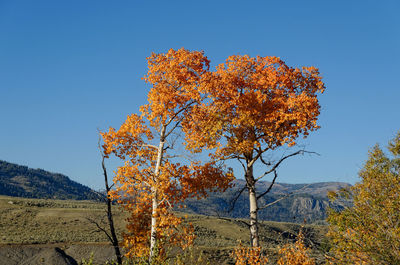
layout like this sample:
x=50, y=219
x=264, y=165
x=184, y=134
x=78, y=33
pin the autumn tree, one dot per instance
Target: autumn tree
x=254, y=106
x=152, y=182
x=368, y=232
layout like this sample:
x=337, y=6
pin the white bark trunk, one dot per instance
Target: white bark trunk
x=251, y=186
x=153, y=235
x=253, y=219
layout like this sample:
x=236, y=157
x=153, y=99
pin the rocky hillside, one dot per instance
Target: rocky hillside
x=21, y=181
x=308, y=204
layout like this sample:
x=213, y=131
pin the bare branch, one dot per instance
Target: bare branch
x=270, y=186
x=243, y=165
x=177, y=113
x=113, y=237
x=233, y=202
x=274, y=202
x=264, y=162
x=171, y=143
x=259, y=154
x=283, y=159
x=232, y=157
x=100, y=228
x=165, y=200
x=173, y=128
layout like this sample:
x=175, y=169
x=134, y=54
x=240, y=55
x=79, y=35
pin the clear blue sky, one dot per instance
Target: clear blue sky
x=68, y=68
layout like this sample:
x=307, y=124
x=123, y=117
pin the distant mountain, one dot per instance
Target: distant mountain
x=307, y=202
x=21, y=181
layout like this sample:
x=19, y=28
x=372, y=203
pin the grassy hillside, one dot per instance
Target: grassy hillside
x=21, y=181
x=33, y=221
x=40, y=221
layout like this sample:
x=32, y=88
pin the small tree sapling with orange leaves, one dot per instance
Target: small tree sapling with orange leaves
x=295, y=254
x=249, y=256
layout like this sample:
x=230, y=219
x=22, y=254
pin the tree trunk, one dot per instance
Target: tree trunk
x=251, y=187
x=114, y=239
x=153, y=235
x=113, y=234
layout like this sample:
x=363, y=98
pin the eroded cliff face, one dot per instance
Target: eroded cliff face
x=309, y=205
x=309, y=208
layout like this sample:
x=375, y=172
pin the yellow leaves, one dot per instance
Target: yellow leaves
x=369, y=231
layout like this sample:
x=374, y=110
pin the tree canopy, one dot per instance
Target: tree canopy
x=254, y=105
x=151, y=181
x=244, y=108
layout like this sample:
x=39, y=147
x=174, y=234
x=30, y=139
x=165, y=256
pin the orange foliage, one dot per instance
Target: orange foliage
x=253, y=105
x=297, y=254
x=255, y=102
x=249, y=256
x=243, y=109
x=150, y=183
x=175, y=78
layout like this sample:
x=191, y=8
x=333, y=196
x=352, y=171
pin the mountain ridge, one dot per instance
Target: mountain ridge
x=302, y=202
x=22, y=181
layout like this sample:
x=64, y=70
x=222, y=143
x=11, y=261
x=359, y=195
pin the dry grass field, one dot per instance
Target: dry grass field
x=65, y=224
